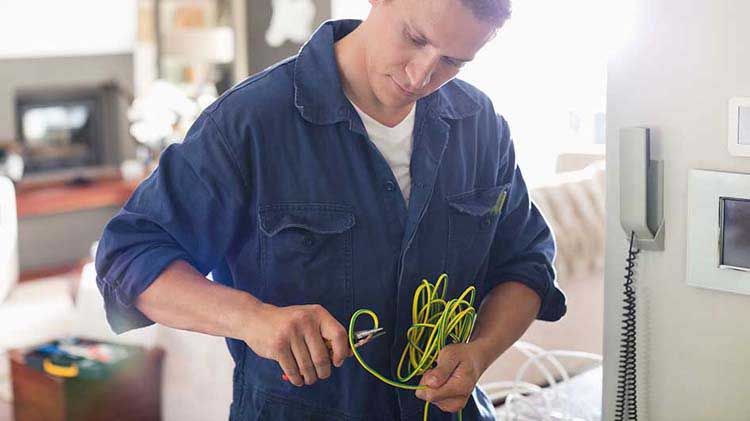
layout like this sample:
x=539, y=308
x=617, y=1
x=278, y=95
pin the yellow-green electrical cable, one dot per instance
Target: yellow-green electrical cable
x=435, y=324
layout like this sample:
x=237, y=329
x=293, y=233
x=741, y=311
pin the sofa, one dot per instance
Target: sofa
x=573, y=204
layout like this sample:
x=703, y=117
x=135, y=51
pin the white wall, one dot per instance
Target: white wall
x=349, y=9
x=687, y=58
x=43, y=28
x=546, y=74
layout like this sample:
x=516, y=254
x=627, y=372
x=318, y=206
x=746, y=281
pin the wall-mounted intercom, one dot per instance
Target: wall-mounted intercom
x=641, y=189
x=642, y=218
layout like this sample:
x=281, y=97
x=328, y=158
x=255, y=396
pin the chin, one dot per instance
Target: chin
x=387, y=96
x=398, y=101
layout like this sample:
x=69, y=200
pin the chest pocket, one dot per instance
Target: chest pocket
x=306, y=256
x=472, y=221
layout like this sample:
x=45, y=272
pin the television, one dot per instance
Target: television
x=68, y=128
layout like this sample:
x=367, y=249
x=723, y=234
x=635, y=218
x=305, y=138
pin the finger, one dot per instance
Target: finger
x=451, y=389
x=304, y=362
x=446, y=363
x=332, y=330
x=459, y=384
x=448, y=391
x=452, y=404
x=289, y=366
x=319, y=355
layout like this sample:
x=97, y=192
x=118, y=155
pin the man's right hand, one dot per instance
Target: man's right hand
x=295, y=337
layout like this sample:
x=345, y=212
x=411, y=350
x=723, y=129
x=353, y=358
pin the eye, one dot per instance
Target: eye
x=414, y=40
x=417, y=42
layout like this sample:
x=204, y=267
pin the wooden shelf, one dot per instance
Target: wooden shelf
x=71, y=270
x=55, y=198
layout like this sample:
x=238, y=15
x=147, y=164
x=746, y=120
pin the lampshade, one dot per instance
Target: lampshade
x=213, y=45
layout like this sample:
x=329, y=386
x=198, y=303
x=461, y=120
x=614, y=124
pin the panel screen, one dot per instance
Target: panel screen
x=734, y=222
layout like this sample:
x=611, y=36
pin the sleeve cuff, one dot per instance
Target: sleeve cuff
x=119, y=296
x=553, y=306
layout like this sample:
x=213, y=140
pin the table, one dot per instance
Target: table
x=132, y=393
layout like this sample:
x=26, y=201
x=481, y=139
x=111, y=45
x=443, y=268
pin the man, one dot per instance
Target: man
x=338, y=180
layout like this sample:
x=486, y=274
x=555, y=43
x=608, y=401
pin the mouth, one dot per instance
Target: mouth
x=403, y=90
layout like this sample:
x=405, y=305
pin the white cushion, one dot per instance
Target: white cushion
x=36, y=312
x=8, y=238
x=573, y=205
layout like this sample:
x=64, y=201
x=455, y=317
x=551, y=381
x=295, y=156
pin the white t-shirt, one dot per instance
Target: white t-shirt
x=395, y=144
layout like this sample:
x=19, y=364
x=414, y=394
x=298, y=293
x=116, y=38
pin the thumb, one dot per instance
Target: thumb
x=446, y=364
x=336, y=336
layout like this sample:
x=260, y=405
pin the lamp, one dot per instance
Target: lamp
x=201, y=48
x=201, y=45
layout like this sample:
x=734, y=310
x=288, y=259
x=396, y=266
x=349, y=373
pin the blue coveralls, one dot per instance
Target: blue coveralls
x=278, y=191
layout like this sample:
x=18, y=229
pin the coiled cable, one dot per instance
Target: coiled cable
x=525, y=401
x=626, y=380
x=436, y=323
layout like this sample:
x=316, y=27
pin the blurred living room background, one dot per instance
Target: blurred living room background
x=92, y=91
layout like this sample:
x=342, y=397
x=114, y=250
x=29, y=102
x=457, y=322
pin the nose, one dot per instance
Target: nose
x=420, y=70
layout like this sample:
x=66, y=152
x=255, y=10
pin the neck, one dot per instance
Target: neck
x=350, y=53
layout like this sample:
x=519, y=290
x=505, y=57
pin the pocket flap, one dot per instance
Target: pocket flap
x=321, y=219
x=480, y=201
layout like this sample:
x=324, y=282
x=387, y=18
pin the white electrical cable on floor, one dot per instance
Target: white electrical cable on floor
x=527, y=401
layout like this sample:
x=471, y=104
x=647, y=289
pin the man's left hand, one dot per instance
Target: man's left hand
x=451, y=383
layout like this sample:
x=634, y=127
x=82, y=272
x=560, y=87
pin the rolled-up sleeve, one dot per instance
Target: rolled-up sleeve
x=188, y=209
x=523, y=248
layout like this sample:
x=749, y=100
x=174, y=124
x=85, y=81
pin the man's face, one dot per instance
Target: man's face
x=416, y=46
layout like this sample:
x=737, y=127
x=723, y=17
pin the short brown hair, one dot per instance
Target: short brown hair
x=493, y=11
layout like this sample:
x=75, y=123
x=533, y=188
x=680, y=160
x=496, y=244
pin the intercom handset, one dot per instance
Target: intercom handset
x=641, y=189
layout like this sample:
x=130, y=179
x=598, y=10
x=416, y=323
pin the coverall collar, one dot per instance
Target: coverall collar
x=318, y=94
